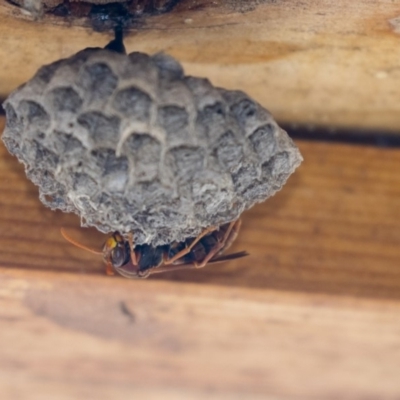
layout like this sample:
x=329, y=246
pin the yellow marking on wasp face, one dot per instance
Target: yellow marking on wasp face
x=111, y=243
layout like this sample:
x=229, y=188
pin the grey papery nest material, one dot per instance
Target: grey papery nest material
x=131, y=144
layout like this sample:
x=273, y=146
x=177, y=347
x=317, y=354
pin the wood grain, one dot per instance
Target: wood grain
x=312, y=313
x=334, y=228
x=66, y=336
x=324, y=62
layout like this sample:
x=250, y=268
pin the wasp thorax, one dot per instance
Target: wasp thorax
x=131, y=144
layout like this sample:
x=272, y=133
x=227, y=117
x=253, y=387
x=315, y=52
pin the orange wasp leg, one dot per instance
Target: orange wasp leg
x=228, y=238
x=132, y=249
x=109, y=269
x=186, y=250
x=230, y=235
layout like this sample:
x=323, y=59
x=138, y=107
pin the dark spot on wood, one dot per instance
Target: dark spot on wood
x=126, y=311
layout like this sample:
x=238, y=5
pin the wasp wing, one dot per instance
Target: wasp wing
x=176, y=267
x=228, y=257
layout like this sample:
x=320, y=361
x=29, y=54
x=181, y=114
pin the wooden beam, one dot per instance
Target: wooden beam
x=76, y=336
x=333, y=228
x=325, y=62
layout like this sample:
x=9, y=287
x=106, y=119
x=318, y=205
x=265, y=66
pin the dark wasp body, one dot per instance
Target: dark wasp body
x=140, y=261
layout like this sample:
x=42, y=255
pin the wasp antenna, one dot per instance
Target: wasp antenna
x=81, y=246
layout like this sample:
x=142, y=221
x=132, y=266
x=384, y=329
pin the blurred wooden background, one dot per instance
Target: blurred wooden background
x=312, y=313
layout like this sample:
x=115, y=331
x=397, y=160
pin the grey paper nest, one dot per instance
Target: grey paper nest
x=129, y=143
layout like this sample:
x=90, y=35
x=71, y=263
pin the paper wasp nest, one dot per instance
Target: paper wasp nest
x=130, y=143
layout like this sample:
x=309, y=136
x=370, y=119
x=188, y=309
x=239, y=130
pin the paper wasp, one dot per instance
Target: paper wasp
x=140, y=261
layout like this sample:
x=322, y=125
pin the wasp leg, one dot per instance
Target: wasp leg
x=144, y=274
x=187, y=249
x=232, y=235
x=109, y=269
x=170, y=268
x=229, y=234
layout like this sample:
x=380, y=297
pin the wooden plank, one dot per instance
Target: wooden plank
x=67, y=336
x=304, y=61
x=332, y=229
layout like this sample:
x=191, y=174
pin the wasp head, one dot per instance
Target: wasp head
x=116, y=251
